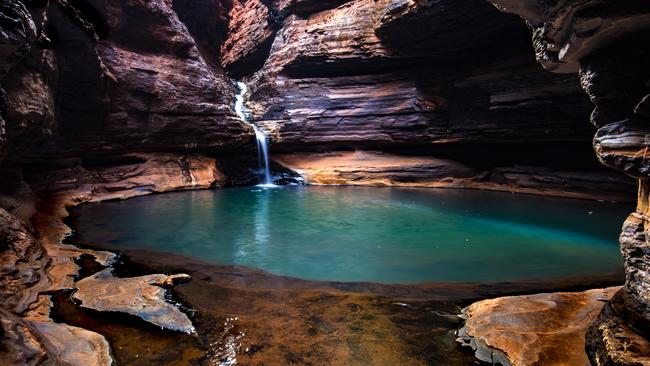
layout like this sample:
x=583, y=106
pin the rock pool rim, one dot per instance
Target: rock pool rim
x=251, y=193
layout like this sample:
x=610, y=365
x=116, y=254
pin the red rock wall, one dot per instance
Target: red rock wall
x=391, y=72
x=108, y=76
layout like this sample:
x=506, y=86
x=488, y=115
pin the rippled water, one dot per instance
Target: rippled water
x=385, y=235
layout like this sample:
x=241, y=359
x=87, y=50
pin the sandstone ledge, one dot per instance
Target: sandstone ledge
x=542, y=329
x=374, y=168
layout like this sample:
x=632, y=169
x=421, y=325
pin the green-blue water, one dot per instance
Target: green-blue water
x=385, y=235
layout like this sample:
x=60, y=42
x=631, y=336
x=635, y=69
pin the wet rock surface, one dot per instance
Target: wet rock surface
x=324, y=323
x=28, y=342
x=541, y=329
x=140, y=296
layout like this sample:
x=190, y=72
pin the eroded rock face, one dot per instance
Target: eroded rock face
x=360, y=74
x=159, y=90
x=89, y=81
x=34, y=262
x=607, y=41
x=566, y=31
x=250, y=34
x=27, y=342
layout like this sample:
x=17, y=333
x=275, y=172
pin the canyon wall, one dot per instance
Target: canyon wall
x=607, y=44
x=85, y=77
x=412, y=78
x=105, y=99
x=106, y=77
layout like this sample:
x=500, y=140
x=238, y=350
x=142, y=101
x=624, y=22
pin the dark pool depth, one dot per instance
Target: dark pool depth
x=385, y=235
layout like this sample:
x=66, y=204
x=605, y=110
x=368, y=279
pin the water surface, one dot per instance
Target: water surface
x=389, y=235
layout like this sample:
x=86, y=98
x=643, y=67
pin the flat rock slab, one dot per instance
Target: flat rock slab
x=543, y=329
x=140, y=296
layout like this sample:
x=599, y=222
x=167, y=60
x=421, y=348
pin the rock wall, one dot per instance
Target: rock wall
x=111, y=77
x=606, y=43
x=323, y=75
x=104, y=99
x=401, y=72
x=402, y=75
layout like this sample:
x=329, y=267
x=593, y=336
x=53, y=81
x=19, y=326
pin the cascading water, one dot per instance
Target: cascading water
x=262, y=141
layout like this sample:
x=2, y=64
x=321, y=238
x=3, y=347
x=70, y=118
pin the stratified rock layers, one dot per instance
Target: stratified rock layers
x=403, y=75
x=607, y=43
x=342, y=77
x=375, y=168
x=113, y=77
x=110, y=99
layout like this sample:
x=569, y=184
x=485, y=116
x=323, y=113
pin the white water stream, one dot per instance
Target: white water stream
x=262, y=141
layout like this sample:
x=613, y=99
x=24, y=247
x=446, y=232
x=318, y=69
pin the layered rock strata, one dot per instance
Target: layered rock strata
x=358, y=75
x=78, y=78
x=375, y=168
x=345, y=76
x=35, y=261
x=605, y=42
x=34, y=342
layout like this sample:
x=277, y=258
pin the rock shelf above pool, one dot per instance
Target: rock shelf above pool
x=142, y=296
x=542, y=329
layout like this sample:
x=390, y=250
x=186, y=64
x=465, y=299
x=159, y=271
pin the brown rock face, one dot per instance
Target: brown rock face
x=250, y=34
x=607, y=42
x=92, y=82
x=354, y=76
x=160, y=91
x=28, y=342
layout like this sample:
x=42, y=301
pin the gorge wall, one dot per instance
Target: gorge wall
x=438, y=79
x=115, y=98
x=606, y=43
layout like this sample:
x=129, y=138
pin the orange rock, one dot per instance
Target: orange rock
x=542, y=329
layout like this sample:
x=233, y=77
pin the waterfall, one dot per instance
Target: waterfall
x=262, y=141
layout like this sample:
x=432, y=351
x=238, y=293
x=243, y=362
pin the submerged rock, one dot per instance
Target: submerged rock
x=542, y=329
x=105, y=292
